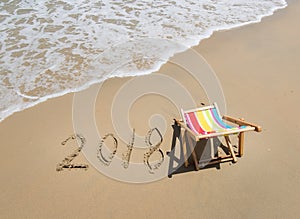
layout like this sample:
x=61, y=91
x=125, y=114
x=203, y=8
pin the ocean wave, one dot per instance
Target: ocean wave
x=50, y=48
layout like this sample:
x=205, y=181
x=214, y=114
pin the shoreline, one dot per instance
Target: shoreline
x=258, y=68
x=91, y=83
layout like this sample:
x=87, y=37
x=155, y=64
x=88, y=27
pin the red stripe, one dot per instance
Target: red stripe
x=195, y=123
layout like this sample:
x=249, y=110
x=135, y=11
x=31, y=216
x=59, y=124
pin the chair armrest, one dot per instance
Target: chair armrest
x=242, y=122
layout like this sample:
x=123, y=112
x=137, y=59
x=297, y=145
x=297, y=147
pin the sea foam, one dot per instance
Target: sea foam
x=50, y=48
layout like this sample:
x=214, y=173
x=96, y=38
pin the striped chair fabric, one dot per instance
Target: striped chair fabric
x=207, y=121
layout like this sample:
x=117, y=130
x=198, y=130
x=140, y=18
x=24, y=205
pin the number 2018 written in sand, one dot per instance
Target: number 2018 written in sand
x=67, y=163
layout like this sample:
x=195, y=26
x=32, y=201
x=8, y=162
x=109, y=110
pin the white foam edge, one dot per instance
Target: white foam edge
x=20, y=107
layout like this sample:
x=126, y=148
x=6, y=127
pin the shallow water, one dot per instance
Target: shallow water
x=50, y=48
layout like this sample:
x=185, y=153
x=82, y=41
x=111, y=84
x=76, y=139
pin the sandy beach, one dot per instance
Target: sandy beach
x=258, y=67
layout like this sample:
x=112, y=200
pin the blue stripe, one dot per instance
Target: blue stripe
x=220, y=120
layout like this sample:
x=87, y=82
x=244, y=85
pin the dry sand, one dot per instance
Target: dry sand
x=258, y=66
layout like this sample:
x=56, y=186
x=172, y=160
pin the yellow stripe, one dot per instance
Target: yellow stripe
x=203, y=121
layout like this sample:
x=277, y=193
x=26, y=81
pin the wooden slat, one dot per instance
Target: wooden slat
x=183, y=117
x=241, y=122
x=230, y=148
x=241, y=144
x=199, y=109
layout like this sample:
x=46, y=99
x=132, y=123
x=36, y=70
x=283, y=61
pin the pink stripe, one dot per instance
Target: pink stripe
x=193, y=122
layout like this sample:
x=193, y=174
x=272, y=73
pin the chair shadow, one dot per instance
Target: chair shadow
x=204, y=149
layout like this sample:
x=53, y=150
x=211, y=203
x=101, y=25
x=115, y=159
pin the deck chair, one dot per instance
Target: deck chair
x=206, y=122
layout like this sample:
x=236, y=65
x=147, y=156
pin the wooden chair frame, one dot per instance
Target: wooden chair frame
x=247, y=126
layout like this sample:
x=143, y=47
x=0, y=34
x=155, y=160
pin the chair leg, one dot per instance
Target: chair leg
x=241, y=143
x=230, y=149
